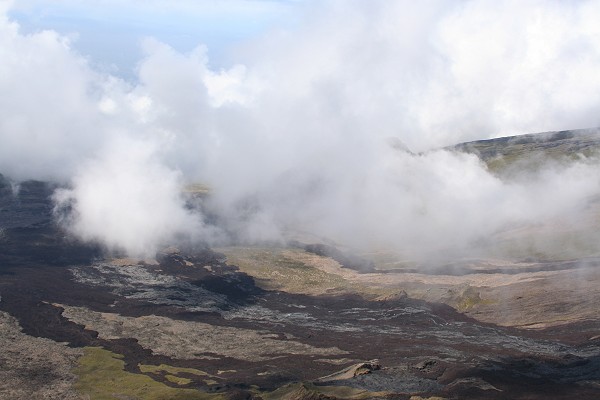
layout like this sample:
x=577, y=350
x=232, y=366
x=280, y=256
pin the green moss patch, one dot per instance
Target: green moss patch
x=170, y=369
x=178, y=380
x=102, y=376
x=173, y=374
x=469, y=299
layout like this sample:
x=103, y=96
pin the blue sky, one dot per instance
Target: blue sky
x=109, y=32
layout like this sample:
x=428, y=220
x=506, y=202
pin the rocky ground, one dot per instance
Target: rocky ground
x=33, y=367
x=300, y=321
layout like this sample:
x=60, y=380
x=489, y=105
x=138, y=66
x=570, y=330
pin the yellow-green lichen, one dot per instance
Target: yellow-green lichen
x=178, y=380
x=471, y=298
x=156, y=369
x=101, y=376
x=173, y=374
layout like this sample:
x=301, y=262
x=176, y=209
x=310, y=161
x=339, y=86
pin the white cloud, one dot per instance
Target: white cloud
x=295, y=136
x=126, y=200
x=47, y=112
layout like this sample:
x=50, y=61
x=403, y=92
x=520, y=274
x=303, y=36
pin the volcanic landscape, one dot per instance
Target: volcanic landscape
x=307, y=319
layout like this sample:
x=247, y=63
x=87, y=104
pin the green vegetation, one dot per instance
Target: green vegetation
x=521, y=159
x=155, y=369
x=172, y=374
x=178, y=380
x=102, y=377
x=529, y=153
x=470, y=298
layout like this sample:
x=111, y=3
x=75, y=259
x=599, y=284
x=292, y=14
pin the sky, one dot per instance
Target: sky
x=110, y=32
x=296, y=114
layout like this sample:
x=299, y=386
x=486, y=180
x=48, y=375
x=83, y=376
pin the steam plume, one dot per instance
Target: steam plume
x=296, y=136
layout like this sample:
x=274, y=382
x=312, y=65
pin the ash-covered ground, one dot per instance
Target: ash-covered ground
x=300, y=321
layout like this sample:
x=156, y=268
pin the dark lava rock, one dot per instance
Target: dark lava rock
x=426, y=349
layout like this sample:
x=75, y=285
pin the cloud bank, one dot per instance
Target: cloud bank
x=305, y=133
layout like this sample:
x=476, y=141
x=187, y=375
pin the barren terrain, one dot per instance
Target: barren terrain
x=297, y=320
